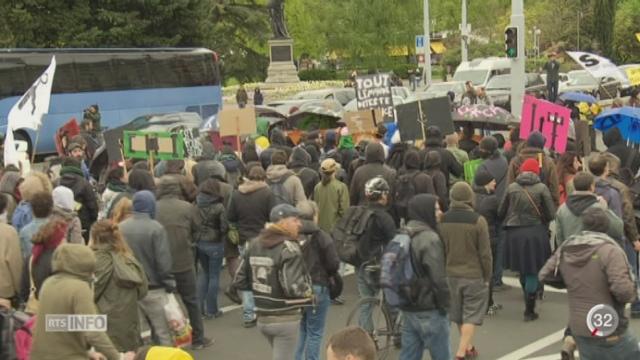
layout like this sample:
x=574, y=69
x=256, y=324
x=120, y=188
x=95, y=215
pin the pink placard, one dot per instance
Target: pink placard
x=550, y=119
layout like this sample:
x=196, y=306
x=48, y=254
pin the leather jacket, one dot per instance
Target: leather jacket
x=518, y=209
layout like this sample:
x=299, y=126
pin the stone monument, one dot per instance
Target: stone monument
x=281, y=67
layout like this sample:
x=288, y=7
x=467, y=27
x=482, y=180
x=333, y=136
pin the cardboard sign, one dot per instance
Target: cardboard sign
x=363, y=121
x=550, y=119
x=159, y=145
x=237, y=122
x=634, y=75
x=374, y=92
x=430, y=112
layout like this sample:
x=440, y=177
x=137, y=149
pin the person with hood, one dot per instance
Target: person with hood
x=425, y=321
x=595, y=271
x=322, y=262
x=11, y=267
x=527, y=209
x=373, y=166
x=63, y=205
x=534, y=150
x=461, y=156
x=178, y=170
x=139, y=180
x=210, y=246
x=119, y=283
x=68, y=291
x=278, y=142
x=346, y=148
x=448, y=163
x=148, y=241
x=299, y=164
x=396, y=158
x=285, y=186
x=258, y=98
x=468, y=255
x=116, y=184
x=330, y=144
x=494, y=163
x=616, y=145
x=467, y=143
x=42, y=206
x=432, y=168
x=242, y=98
x=83, y=194
x=273, y=269
x=232, y=164
x=331, y=195
x=314, y=154
x=33, y=183
x=248, y=211
x=514, y=145
x=9, y=187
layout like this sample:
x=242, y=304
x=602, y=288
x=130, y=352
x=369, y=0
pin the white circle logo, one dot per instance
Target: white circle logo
x=602, y=320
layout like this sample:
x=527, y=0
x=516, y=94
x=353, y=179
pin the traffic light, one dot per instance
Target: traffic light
x=511, y=41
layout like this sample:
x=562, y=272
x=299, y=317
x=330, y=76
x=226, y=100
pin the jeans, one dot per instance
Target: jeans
x=152, y=311
x=632, y=255
x=626, y=348
x=313, y=324
x=282, y=337
x=186, y=287
x=366, y=288
x=425, y=330
x=499, y=256
x=248, y=303
x=210, y=255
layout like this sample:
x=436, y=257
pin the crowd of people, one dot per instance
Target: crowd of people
x=270, y=215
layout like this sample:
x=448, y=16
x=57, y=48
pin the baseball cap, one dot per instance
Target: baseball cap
x=283, y=211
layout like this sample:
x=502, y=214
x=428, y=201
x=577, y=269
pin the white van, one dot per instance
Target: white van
x=479, y=71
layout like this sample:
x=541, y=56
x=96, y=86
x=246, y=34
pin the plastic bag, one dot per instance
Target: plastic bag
x=178, y=322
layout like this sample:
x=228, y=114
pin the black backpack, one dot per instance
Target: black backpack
x=278, y=190
x=405, y=190
x=348, y=231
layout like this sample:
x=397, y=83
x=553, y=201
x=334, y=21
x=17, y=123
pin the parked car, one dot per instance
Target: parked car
x=626, y=87
x=397, y=100
x=436, y=90
x=582, y=81
x=401, y=91
x=289, y=106
x=499, y=89
x=480, y=71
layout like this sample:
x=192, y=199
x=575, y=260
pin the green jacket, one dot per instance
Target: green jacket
x=117, y=293
x=333, y=202
x=68, y=291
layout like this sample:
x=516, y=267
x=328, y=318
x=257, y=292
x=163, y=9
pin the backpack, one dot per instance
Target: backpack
x=399, y=277
x=348, y=231
x=279, y=191
x=405, y=190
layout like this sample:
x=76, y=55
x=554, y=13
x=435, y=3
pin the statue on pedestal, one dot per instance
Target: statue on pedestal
x=278, y=24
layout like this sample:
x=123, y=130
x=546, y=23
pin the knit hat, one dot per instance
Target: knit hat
x=283, y=211
x=63, y=198
x=536, y=140
x=483, y=177
x=329, y=166
x=530, y=165
x=462, y=192
x=145, y=202
x=488, y=145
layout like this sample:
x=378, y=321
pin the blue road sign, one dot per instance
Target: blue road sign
x=419, y=41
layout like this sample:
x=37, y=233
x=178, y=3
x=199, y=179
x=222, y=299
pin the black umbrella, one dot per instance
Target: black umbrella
x=483, y=117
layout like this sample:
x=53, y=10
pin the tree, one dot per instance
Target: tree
x=626, y=46
x=604, y=22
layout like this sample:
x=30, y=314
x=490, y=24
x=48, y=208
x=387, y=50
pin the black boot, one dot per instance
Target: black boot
x=530, y=306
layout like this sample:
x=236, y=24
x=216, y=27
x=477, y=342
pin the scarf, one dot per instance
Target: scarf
x=117, y=185
x=71, y=170
x=56, y=237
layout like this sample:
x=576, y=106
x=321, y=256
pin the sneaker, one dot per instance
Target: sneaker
x=338, y=301
x=212, y=316
x=205, y=343
x=531, y=316
x=249, y=324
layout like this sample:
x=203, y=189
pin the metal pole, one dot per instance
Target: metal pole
x=517, y=64
x=464, y=51
x=427, y=45
x=578, y=30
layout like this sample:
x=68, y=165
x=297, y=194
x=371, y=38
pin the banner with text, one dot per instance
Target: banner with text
x=598, y=66
x=374, y=92
x=27, y=113
x=634, y=75
x=551, y=120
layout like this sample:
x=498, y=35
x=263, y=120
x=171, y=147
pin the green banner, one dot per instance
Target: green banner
x=162, y=145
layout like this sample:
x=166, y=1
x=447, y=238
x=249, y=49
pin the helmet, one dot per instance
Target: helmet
x=376, y=186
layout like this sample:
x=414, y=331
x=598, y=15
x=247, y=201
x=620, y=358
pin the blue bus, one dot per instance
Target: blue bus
x=125, y=83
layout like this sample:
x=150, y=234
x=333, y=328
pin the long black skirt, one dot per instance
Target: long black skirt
x=527, y=249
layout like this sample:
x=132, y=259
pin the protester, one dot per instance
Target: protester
x=273, y=269
x=599, y=167
x=425, y=322
x=42, y=206
x=77, y=151
x=299, y=164
x=351, y=343
x=9, y=187
x=568, y=165
x=596, y=271
x=258, y=98
x=331, y=195
x=210, y=246
x=432, y=167
x=322, y=262
x=468, y=254
x=448, y=165
x=63, y=209
x=482, y=98
x=278, y=141
x=552, y=67
x=11, y=267
x=494, y=163
x=122, y=211
x=514, y=145
x=233, y=166
x=68, y=291
x=460, y=155
x=148, y=241
x=411, y=181
x=469, y=97
x=616, y=145
x=242, y=98
x=468, y=143
x=372, y=167
x=33, y=183
x=71, y=177
x=116, y=184
x=119, y=283
x=359, y=160
x=346, y=148
x=527, y=209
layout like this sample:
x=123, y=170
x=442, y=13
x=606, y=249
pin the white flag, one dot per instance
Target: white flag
x=598, y=66
x=10, y=154
x=28, y=111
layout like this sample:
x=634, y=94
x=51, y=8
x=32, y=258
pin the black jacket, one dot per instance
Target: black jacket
x=299, y=164
x=629, y=158
x=249, y=208
x=487, y=205
x=82, y=193
x=319, y=253
x=213, y=217
x=278, y=141
x=374, y=166
x=380, y=230
x=517, y=209
x=448, y=165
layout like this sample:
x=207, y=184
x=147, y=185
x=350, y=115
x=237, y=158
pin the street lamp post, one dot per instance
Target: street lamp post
x=427, y=45
x=517, y=64
x=464, y=33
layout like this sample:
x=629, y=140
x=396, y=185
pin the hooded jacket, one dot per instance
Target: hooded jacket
x=11, y=264
x=569, y=220
x=629, y=158
x=181, y=220
x=613, y=197
x=294, y=191
x=517, y=209
x=373, y=166
x=422, y=182
x=548, y=174
x=299, y=164
x=63, y=204
x=9, y=187
x=333, y=202
x=213, y=218
x=273, y=268
x=487, y=204
x=319, y=253
x=432, y=167
x=83, y=194
x=33, y=183
x=68, y=291
x=278, y=141
x=249, y=208
x=497, y=166
x=596, y=271
x=448, y=165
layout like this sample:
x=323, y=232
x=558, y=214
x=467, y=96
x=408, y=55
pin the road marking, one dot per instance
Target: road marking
x=514, y=282
x=550, y=357
x=535, y=346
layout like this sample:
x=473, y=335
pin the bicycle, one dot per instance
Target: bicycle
x=385, y=324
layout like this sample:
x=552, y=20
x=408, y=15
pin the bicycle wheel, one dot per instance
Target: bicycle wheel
x=380, y=327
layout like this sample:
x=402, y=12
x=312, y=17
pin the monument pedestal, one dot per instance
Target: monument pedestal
x=281, y=68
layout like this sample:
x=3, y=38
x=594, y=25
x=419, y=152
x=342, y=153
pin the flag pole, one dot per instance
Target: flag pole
x=35, y=146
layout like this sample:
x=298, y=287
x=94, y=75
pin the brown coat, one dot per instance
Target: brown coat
x=548, y=175
x=10, y=262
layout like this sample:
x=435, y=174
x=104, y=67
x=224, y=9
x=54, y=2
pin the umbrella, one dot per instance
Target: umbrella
x=313, y=115
x=483, y=116
x=578, y=97
x=626, y=119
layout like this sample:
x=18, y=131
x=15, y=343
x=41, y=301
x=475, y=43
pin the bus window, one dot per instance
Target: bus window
x=194, y=108
x=209, y=110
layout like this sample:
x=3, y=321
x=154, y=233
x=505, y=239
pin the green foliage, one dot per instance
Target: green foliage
x=604, y=22
x=626, y=46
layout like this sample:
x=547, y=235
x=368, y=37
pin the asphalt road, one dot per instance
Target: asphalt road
x=502, y=337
